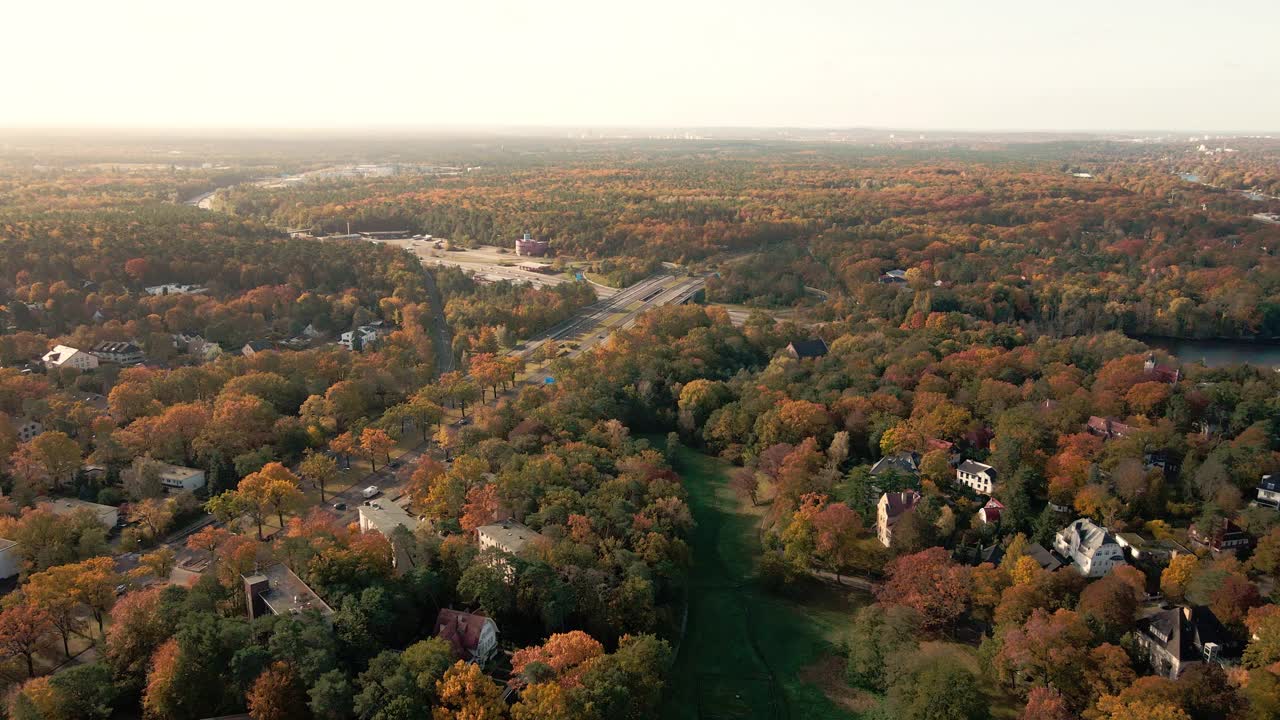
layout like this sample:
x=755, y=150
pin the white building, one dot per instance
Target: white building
x=369, y=335
x=1092, y=549
x=106, y=514
x=10, y=563
x=178, y=478
x=1268, y=492
x=63, y=356
x=120, y=353
x=979, y=476
x=385, y=516
x=508, y=536
x=174, y=289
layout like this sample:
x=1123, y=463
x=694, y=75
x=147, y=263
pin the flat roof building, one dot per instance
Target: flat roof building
x=106, y=514
x=176, y=477
x=508, y=536
x=528, y=247
x=276, y=590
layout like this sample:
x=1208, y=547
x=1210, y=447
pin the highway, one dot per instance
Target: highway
x=594, y=322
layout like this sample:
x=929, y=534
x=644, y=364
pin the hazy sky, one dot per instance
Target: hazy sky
x=989, y=64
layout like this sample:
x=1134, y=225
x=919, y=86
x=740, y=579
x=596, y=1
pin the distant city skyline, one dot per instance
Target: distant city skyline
x=1141, y=65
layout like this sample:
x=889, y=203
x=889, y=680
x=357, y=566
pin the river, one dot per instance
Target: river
x=1217, y=353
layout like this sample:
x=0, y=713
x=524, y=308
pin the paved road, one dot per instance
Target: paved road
x=441, y=336
x=593, y=323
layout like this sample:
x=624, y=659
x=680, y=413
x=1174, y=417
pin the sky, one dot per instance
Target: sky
x=927, y=64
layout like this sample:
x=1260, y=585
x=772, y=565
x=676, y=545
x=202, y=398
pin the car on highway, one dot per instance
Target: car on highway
x=369, y=491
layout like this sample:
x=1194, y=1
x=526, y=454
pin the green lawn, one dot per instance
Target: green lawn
x=745, y=651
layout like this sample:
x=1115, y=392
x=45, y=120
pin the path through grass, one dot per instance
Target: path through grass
x=744, y=650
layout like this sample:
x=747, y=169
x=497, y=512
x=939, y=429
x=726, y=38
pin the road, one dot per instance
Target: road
x=593, y=323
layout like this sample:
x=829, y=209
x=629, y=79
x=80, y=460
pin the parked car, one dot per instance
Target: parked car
x=395, y=464
x=339, y=506
x=369, y=491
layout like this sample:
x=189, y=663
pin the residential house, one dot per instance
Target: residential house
x=178, y=478
x=119, y=353
x=508, y=536
x=1108, y=428
x=902, y=463
x=1091, y=548
x=198, y=347
x=1179, y=637
x=10, y=562
x=253, y=347
x=1048, y=560
x=1223, y=536
x=1161, y=373
x=1141, y=548
x=63, y=356
x=807, y=349
x=474, y=637
x=108, y=515
x=368, y=336
x=990, y=513
x=889, y=511
x=174, y=289
x=27, y=428
x=894, y=277
x=978, y=476
x=1268, y=492
x=275, y=590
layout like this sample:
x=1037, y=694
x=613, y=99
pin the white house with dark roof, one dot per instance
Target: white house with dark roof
x=1092, y=549
x=120, y=353
x=1268, y=492
x=1182, y=636
x=978, y=476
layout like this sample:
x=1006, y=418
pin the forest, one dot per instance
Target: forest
x=884, y=331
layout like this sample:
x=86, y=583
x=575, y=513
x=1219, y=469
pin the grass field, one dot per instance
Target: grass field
x=747, y=653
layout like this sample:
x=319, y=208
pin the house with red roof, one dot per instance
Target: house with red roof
x=891, y=508
x=1161, y=373
x=474, y=637
x=990, y=513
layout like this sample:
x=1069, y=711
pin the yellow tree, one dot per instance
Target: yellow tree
x=51, y=592
x=466, y=693
x=156, y=514
x=280, y=489
x=1176, y=577
x=94, y=585
x=376, y=442
x=319, y=469
x=346, y=446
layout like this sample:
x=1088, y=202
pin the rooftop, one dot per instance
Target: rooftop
x=384, y=516
x=67, y=506
x=816, y=347
x=508, y=534
x=286, y=593
x=974, y=467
